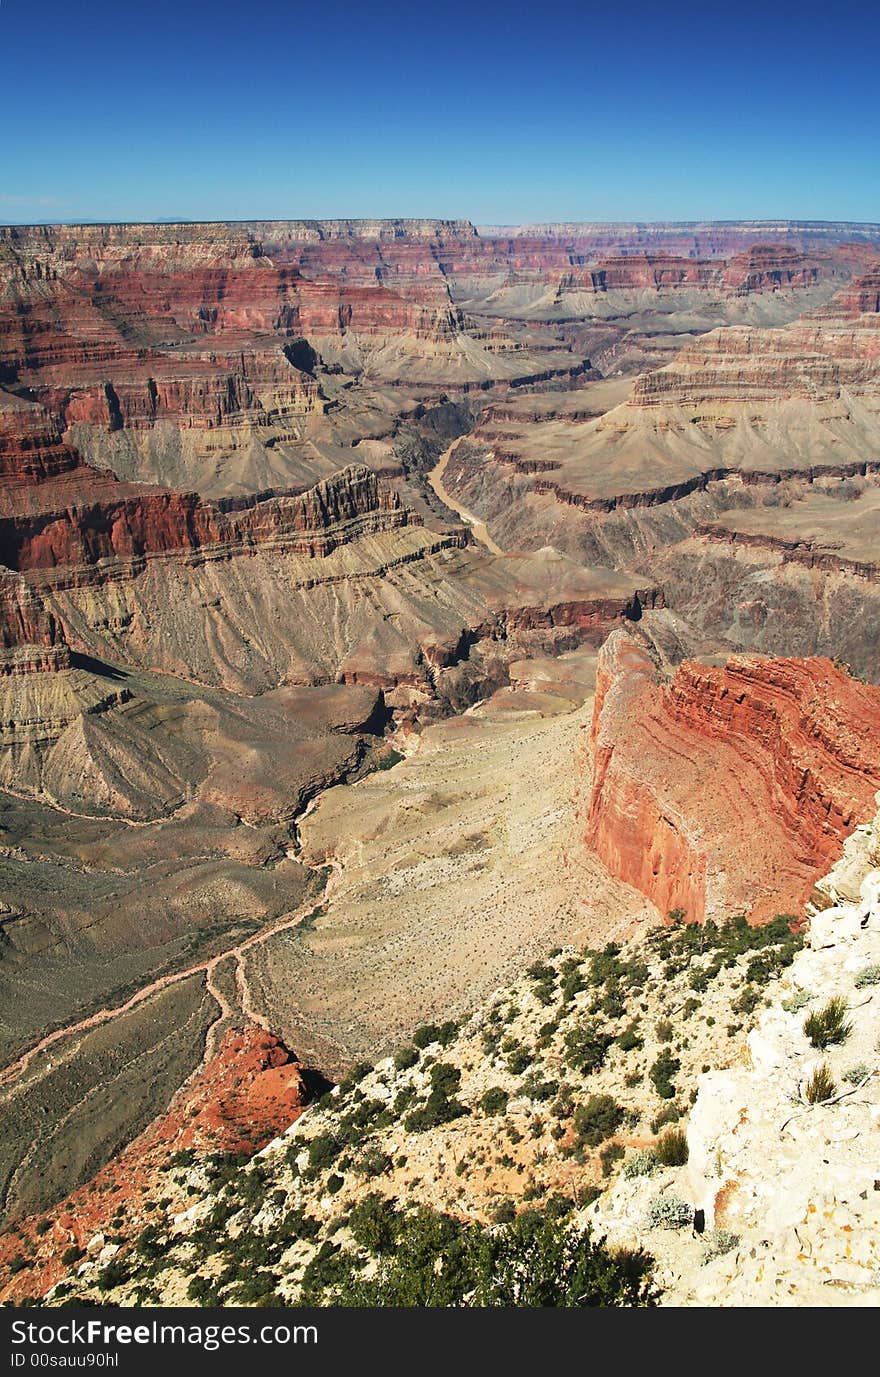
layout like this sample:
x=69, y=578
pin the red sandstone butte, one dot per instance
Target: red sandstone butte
x=728, y=789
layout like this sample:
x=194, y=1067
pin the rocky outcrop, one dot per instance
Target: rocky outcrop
x=728, y=789
x=820, y=360
x=247, y=1092
x=131, y=525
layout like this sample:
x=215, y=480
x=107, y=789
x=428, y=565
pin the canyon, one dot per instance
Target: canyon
x=384, y=604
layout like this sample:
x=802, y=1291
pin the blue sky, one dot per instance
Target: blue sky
x=502, y=112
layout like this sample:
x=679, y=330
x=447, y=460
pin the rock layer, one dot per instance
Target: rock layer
x=730, y=788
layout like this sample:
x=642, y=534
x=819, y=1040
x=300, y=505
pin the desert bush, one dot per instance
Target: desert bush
x=643, y=1163
x=718, y=1242
x=669, y=1212
x=610, y=1154
x=441, y=1107
x=494, y=1101
x=597, y=1120
x=537, y=1259
x=504, y=1212
x=671, y=1149
x=373, y=1223
x=629, y=1040
x=868, y=975
x=856, y=1074
x=536, y=1089
x=586, y=1047
x=435, y=1032
x=519, y=1061
x=323, y=1150
x=796, y=1002
x=661, y=1073
x=820, y=1086
x=669, y=1115
x=405, y=1057
x=829, y=1024
x=747, y=1002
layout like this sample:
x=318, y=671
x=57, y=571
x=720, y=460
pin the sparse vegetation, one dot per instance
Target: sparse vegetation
x=820, y=1086
x=597, y=1120
x=829, y=1024
x=856, y=1074
x=642, y=1163
x=661, y=1073
x=671, y=1149
x=494, y=1101
x=669, y=1212
x=718, y=1242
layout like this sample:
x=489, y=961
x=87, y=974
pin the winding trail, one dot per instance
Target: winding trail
x=477, y=527
x=208, y=967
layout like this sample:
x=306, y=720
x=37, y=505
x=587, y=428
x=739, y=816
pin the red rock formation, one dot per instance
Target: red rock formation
x=250, y=1091
x=729, y=789
x=88, y=518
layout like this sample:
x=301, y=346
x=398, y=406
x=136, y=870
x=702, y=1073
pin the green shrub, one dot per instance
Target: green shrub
x=796, y=1002
x=629, y=1040
x=435, y=1032
x=405, y=1058
x=203, y=1291
x=44, y=1226
x=718, y=1242
x=820, y=1086
x=535, y=1260
x=356, y=1074
x=519, y=1061
x=440, y=1107
x=670, y=1115
x=642, y=1163
x=18, y=1264
x=661, y=1074
x=536, y=1089
x=586, y=1047
x=597, y=1120
x=669, y=1212
x=610, y=1154
x=664, y=1030
x=374, y=1162
x=868, y=975
x=504, y=1212
x=323, y=1150
x=671, y=1150
x=856, y=1074
x=747, y=1002
x=373, y=1223
x=335, y=1182
x=494, y=1101
x=114, y=1274
x=72, y=1255
x=829, y=1024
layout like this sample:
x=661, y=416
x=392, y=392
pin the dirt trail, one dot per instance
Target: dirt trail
x=208, y=966
x=435, y=478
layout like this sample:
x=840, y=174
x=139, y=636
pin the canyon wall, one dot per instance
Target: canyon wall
x=729, y=788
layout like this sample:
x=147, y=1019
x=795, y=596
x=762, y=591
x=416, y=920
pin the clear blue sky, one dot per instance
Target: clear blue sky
x=503, y=112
